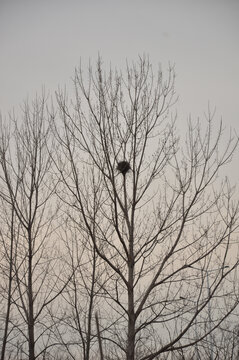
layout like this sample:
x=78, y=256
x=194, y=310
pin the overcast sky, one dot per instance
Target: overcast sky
x=41, y=41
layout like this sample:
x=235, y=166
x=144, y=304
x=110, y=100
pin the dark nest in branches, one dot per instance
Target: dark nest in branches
x=123, y=167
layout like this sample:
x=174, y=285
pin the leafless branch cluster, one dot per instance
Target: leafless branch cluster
x=118, y=238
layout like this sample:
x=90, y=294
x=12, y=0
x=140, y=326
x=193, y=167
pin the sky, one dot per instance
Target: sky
x=42, y=41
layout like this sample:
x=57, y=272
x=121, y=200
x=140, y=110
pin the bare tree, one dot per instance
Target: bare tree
x=7, y=274
x=7, y=254
x=27, y=193
x=164, y=226
x=77, y=331
x=146, y=223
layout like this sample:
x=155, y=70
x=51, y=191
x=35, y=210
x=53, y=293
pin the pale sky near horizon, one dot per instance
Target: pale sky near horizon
x=41, y=41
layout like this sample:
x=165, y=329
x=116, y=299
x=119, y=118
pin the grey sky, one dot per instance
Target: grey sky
x=41, y=41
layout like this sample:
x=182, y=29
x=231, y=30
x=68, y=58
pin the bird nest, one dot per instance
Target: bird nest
x=123, y=167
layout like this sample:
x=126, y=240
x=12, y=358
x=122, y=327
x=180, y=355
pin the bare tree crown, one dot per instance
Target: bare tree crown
x=149, y=257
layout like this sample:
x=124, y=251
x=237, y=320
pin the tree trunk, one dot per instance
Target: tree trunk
x=7, y=314
x=99, y=337
x=31, y=339
x=90, y=310
x=131, y=315
x=9, y=299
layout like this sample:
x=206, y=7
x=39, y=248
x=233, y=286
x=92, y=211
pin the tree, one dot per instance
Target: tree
x=76, y=319
x=31, y=253
x=78, y=323
x=7, y=255
x=159, y=220
x=117, y=237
